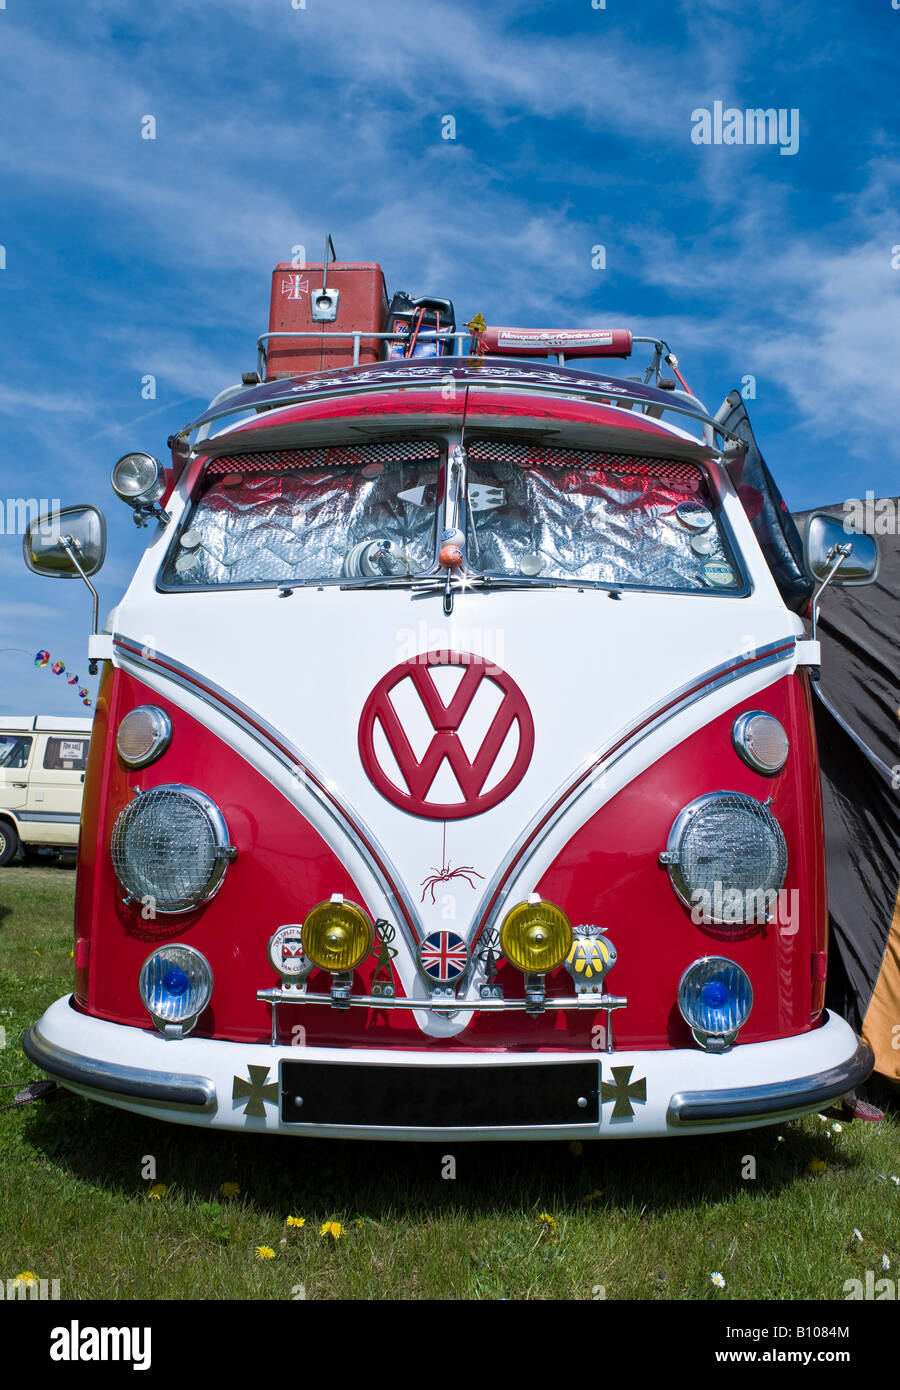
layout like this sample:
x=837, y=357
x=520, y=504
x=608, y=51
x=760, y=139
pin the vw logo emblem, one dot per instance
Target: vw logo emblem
x=445, y=722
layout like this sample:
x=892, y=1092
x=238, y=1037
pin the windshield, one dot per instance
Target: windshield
x=370, y=512
x=312, y=515
x=595, y=518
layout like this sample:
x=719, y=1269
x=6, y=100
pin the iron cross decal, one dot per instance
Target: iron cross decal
x=255, y=1091
x=623, y=1092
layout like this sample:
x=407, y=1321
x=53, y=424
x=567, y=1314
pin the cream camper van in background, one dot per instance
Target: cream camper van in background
x=42, y=763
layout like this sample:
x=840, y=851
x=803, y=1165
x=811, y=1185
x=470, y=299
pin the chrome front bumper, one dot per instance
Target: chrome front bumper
x=385, y=1094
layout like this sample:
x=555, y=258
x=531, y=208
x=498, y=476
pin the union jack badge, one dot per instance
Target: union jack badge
x=443, y=956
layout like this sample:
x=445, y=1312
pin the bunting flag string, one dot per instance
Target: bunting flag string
x=43, y=658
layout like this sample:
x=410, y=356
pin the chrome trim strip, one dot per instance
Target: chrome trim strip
x=170, y=1088
x=57, y=817
x=552, y=1003
x=279, y=747
x=688, y=1107
x=508, y=373
x=575, y=786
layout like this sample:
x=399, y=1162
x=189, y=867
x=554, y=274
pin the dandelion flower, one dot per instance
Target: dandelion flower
x=717, y=1280
x=229, y=1189
x=857, y=1233
x=818, y=1165
x=547, y=1221
x=158, y=1191
x=265, y=1252
x=296, y=1221
x=885, y=1262
x=26, y=1278
x=333, y=1229
x=576, y=1147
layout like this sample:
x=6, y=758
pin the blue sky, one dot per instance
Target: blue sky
x=127, y=256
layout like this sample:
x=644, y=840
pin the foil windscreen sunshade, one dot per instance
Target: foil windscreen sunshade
x=305, y=515
x=296, y=515
x=604, y=518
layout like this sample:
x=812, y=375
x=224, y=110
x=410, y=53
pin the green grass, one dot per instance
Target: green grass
x=649, y=1219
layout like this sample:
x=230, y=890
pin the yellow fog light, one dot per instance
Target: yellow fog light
x=536, y=937
x=337, y=935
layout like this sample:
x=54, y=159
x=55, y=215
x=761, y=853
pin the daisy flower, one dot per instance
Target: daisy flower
x=885, y=1262
x=717, y=1280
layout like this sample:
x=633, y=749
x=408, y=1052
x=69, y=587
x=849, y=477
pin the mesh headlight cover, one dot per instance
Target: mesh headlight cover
x=727, y=854
x=170, y=845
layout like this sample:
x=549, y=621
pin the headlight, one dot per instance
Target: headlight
x=727, y=854
x=337, y=935
x=536, y=937
x=715, y=998
x=761, y=741
x=143, y=735
x=170, y=845
x=138, y=479
x=175, y=985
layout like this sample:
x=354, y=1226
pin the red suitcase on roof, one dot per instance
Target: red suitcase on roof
x=349, y=297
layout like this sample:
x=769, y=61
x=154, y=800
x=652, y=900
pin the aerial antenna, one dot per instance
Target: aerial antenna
x=462, y=428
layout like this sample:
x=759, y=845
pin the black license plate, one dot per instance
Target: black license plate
x=439, y=1097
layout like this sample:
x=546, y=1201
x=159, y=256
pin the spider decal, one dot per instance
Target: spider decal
x=444, y=875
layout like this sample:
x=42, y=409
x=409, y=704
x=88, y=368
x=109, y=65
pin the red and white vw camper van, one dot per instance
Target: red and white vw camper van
x=453, y=771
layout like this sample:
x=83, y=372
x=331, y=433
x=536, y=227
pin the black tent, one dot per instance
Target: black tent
x=857, y=706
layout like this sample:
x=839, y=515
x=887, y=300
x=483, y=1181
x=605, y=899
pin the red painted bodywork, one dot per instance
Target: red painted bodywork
x=608, y=874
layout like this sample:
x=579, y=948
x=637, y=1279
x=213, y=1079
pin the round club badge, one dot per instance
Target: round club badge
x=286, y=955
x=694, y=516
x=591, y=956
x=443, y=956
x=717, y=575
x=704, y=542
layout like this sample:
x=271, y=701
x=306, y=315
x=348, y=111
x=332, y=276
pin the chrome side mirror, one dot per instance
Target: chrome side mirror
x=68, y=544
x=837, y=556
